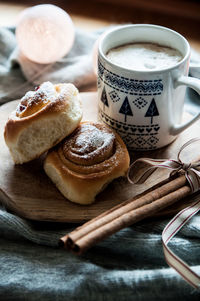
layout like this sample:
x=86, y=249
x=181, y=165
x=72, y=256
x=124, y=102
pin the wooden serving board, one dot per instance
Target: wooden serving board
x=27, y=191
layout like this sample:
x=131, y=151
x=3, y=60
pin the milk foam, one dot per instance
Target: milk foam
x=144, y=56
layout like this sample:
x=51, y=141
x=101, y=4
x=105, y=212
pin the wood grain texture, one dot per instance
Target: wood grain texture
x=27, y=191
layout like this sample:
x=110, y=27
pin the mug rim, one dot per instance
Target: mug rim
x=120, y=27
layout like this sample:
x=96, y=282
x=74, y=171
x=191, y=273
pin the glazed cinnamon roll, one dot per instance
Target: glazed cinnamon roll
x=42, y=119
x=86, y=161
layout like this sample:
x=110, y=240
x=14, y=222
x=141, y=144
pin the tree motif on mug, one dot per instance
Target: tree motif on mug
x=152, y=110
x=126, y=109
x=104, y=98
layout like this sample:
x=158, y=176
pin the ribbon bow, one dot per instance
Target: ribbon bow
x=191, y=170
x=192, y=174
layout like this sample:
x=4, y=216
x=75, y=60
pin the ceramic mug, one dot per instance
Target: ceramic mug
x=144, y=107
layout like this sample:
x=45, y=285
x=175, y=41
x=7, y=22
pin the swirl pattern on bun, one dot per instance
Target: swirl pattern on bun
x=84, y=163
x=41, y=120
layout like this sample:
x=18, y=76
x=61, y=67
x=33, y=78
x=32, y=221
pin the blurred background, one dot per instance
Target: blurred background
x=180, y=15
x=91, y=15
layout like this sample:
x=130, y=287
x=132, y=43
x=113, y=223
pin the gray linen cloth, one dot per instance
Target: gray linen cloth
x=18, y=74
x=129, y=265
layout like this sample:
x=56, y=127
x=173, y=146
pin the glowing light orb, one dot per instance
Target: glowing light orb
x=45, y=33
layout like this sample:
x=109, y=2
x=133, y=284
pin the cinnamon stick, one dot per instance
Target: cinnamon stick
x=125, y=214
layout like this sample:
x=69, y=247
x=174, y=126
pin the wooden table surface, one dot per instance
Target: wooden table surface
x=54, y=207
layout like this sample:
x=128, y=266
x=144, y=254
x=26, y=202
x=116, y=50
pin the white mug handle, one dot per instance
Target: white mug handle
x=193, y=83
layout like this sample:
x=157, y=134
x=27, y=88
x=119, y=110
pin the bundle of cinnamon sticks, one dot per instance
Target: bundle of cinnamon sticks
x=127, y=213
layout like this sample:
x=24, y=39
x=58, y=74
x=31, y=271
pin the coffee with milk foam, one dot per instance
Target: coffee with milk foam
x=144, y=56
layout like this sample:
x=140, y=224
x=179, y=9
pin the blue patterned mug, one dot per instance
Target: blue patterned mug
x=144, y=106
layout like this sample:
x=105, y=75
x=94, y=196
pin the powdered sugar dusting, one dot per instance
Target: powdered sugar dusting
x=46, y=90
x=90, y=144
x=91, y=138
x=45, y=93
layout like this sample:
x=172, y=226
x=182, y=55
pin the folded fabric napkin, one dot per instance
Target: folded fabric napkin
x=18, y=74
x=129, y=265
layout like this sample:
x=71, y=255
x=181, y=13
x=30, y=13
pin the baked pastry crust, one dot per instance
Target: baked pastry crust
x=84, y=163
x=41, y=120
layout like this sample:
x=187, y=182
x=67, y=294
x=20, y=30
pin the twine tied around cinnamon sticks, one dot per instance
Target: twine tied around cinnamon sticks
x=190, y=170
x=146, y=204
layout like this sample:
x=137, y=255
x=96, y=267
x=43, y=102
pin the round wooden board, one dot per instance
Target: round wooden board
x=27, y=191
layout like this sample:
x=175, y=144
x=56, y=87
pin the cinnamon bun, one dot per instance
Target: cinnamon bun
x=42, y=119
x=85, y=162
